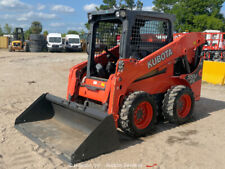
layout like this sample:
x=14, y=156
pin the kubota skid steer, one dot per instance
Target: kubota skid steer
x=135, y=73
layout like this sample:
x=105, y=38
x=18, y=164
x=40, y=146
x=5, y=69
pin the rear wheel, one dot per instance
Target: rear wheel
x=178, y=104
x=138, y=114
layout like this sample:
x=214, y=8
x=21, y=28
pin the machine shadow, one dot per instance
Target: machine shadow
x=203, y=108
x=126, y=141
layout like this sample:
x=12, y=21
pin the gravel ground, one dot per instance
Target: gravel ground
x=199, y=144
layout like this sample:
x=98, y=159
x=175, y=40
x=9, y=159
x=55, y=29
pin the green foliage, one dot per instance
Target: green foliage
x=27, y=34
x=83, y=35
x=45, y=33
x=36, y=27
x=7, y=29
x=1, y=32
x=112, y=4
x=139, y=5
x=108, y=4
x=63, y=35
x=87, y=25
x=193, y=15
x=128, y=4
x=82, y=32
x=203, y=22
x=72, y=32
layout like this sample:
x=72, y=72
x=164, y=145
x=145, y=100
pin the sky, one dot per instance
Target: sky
x=55, y=15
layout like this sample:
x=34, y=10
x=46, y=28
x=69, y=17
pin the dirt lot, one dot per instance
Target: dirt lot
x=199, y=144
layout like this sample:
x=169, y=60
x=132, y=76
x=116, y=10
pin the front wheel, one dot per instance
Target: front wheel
x=178, y=104
x=138, y=114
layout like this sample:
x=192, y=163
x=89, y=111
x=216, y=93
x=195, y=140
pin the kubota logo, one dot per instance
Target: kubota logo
x=160, y=58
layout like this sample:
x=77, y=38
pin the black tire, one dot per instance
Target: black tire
x=67, y=50
x=36, y=37
x=128, y=111
x=36, y=46
x=178, y=104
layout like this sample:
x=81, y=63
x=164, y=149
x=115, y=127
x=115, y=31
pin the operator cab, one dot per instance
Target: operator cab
x=124, y=34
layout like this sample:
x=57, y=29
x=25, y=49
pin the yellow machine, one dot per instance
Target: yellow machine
x=18, y=42
x=214, y=72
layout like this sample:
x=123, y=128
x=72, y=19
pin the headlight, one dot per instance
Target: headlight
x=117, y=14
x=121, y=13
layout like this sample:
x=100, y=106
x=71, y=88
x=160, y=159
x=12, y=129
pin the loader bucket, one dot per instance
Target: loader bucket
x=71, y=131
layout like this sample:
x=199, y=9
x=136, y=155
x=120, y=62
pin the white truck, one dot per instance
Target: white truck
x=55, y=42
x=72, y=43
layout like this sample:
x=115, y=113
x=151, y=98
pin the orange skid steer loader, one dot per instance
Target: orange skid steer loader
x=125, y=84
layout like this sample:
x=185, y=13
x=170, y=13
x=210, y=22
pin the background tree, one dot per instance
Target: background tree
x=108, y=4
x=45, y=33
x=139, y=5
x=27, y=34
x=193, y=15
x=36, y=27
x=128, y=4
x=83, y=35
x=7, y=29
x=72, y=32
x=87, y=25
x=112, y=4
x=82, y=32
x=1, y=32
x=63, y=35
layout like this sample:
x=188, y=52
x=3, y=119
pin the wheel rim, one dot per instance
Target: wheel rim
x=143, y=115
x=184, y=105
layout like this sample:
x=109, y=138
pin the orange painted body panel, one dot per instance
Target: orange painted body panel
x=98, y=95
x=132, y=77
x=74, y=79
x=215, y=41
